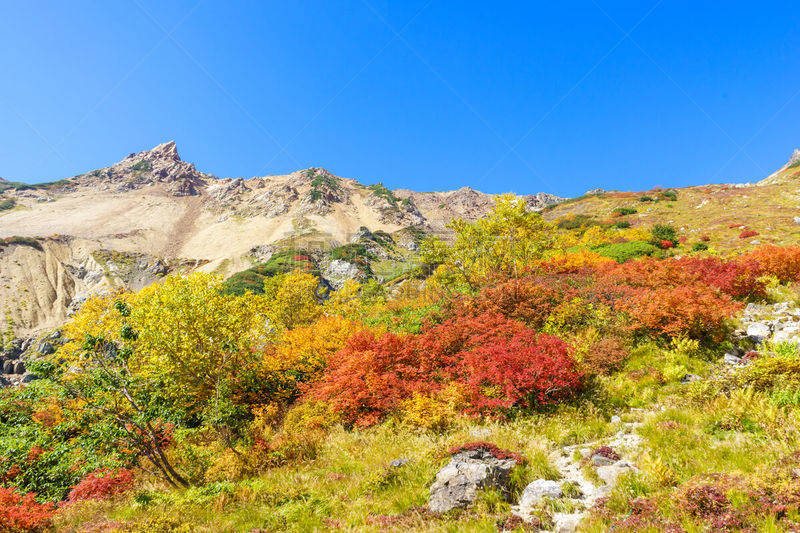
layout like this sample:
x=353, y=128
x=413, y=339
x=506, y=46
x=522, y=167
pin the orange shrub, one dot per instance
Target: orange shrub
x=783, y=262
x=20, y=513
x=697, y=311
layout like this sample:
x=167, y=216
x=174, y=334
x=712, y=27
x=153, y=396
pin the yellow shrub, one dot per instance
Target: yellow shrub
x=434, y=412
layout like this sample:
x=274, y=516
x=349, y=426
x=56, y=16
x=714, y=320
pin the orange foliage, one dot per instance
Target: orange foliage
x=783, y=262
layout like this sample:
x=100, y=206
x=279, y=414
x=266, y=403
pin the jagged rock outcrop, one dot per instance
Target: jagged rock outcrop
x=160, y=166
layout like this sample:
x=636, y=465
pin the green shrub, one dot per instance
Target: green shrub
x=33, y=242
x=625, y=211
x=622, y=224
x=664, y=232
x=700, y=246
x=670, y=195
x=320, y=182
x=624, y=251
x=351, y=253
x=645, y=199
x=380, y=190
x=6, y=204
x=252, y=279
x=141, y=165
x=576, y=222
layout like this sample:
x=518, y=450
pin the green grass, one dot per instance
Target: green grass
x=252, y=279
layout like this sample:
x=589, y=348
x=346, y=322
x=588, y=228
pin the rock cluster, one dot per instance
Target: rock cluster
x=469, y=471
x=762, y=323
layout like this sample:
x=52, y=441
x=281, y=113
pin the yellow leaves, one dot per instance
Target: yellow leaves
x=305, y=350
x=295, y=299
x=504, y=243
x=436, y=412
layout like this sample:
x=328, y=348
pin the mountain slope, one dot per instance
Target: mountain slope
x=156, y=204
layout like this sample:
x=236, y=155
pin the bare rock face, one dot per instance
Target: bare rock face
x=795, y=157
x=458, y=483
x=161, y=165
x=537, y=202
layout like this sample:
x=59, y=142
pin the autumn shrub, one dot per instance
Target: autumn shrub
x=783, y=262
x=747, y=234
x=22, y=513
x=102, y=484
x=696, y=311
x=527, y=370
x=500, y=363
x=604, y=356
x=371, y=376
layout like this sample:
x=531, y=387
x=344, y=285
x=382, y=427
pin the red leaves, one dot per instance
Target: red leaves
x=747, y=234
x=102, y=484
x=526, y=370
x=20, y=512
x=501, y=363
x=370, y=376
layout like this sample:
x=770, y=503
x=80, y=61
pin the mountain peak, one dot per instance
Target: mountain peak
x=795, y=157
x=167, y=151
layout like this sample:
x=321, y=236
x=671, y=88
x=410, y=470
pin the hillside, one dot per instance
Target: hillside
x=153, y=204
x=719, y=214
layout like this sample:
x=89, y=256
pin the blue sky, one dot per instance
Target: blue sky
x=430, y=95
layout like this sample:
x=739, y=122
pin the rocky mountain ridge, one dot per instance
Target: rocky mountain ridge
x=152, y=213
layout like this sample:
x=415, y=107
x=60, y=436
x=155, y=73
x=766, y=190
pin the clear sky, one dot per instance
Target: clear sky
x=502, y=96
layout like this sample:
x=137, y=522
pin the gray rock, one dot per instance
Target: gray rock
x=19, y=367
x=796, y=220
x=615, y=419
x=339, y=272
x=689, y=378
x=458, y=483
x=8, y=367
x=732, y=359
x=610, y=473
x=45, y=348
x=758, y=331
x=536, y=490
x=27, y=378
x=601, y=460
x=397, y=463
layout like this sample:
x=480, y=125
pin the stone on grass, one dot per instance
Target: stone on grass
x=469, y=471
x=758, y=332
x=536, y=490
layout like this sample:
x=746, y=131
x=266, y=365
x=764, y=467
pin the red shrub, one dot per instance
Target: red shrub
x=747, y=233
x=735, y=225
x=783, y=262
x=606, y=451
x=530, y=299
x=20, y=513
x=705, y=238
x=370, y=376
x=102, y=484
x=499, y=361
x=665, y=244
x=526, y=370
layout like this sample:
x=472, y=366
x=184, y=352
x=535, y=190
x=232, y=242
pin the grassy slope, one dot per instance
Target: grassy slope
x=707, y=210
